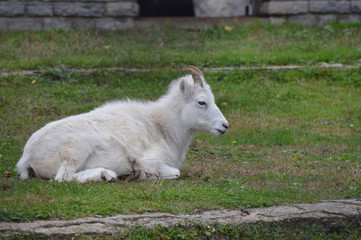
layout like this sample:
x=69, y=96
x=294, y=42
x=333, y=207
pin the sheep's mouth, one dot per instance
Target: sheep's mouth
x=221, y=131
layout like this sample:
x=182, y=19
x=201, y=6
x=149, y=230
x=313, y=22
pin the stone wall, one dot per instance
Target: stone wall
x=67, y=14
x=315, y=12
x=120, y=14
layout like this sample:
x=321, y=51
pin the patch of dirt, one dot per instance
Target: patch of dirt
x=216, y=69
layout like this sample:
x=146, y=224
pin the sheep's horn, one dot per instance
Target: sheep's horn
x=197, y=75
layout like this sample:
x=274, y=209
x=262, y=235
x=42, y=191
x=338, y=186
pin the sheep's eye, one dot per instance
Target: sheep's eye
x=202, y=103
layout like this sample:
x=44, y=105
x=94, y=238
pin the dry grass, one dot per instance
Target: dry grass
x=310, y=165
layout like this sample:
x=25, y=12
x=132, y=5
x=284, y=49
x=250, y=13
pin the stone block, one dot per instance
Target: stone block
x=57, y=23
x=356, y=6
x=25, y=23
x=330, y=6
x=284, y=7
x=114, y=23
x=3, y=24
x=11, y=9
x=79, y=9
x=105, y=1
x=121, y=9
x=277, y=20
x=216, y=8
x=39, y=9
x=326, y=18
x=83, y=23
x=308, y=19
x=350, y=18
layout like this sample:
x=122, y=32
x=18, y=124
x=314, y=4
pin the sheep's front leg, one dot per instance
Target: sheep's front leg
x=154, y=166
x=167, y=172
x=95, y=175
x=66, y=172
x=162, y=172
x=72, y=156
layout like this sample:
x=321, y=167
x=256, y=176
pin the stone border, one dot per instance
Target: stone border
x=215, y=69
x=323, y=212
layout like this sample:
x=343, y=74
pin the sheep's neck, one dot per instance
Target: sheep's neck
x=179, y=136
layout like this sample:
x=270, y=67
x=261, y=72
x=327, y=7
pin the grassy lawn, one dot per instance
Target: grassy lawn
x=294, y=134
x=255, y=44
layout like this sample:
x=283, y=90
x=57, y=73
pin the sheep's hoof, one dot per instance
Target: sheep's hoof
x=136, y=176
x=142, y=176
x=152, y=177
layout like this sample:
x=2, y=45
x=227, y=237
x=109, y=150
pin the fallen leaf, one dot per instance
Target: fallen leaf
x=228, y=28
x=7, y=174
x=6, y=187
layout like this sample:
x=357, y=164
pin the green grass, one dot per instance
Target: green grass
x=332, y=230
x=341, y=230
x=294, y=137
x=255, y=44
x=294, y=134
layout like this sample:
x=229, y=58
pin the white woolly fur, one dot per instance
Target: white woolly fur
x=123, y=136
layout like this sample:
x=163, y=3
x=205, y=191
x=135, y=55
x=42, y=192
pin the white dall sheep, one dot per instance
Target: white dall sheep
x=125, y=136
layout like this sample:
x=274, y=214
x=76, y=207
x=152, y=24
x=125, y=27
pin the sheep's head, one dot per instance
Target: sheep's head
x=200, y=111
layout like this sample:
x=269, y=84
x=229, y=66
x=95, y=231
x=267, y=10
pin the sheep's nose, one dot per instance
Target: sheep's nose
x=226, y=125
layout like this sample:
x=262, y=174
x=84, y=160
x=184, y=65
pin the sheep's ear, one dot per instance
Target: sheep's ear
x=184, y=86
